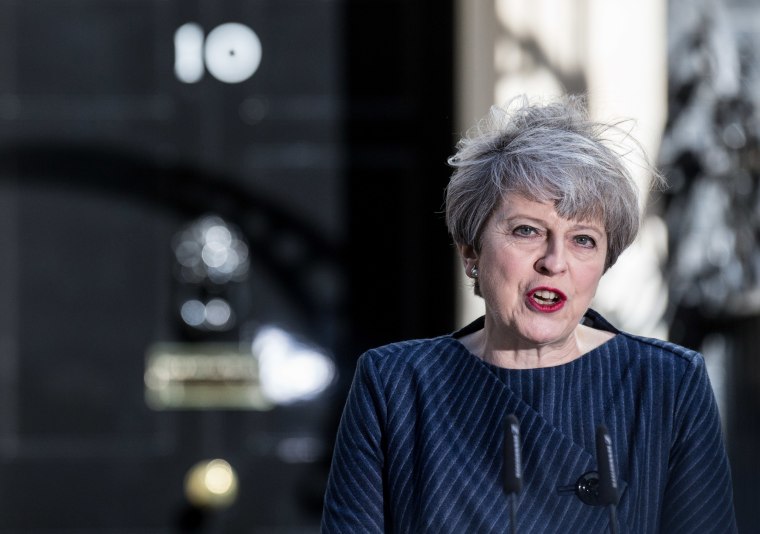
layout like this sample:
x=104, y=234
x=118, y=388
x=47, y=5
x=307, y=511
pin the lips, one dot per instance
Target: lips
x=546, y=299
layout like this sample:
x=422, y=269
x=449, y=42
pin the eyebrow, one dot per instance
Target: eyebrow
x=587, y=226
x=581, y=225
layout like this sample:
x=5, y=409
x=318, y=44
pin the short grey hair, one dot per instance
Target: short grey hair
x=547, y=152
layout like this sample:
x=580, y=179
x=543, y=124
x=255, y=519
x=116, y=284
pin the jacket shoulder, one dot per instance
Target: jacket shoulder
x=653, y=348
x=410, y=351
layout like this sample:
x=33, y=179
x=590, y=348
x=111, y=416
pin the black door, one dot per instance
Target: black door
x=144, y=146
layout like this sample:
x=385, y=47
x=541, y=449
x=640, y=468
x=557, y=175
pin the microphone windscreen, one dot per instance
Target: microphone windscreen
x=605, y=458
x=512, y=468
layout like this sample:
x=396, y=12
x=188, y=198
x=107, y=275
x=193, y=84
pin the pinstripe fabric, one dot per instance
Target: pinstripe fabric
x=419, y=444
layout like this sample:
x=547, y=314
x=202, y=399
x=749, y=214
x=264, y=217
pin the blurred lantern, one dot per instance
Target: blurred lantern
x=211, y=484
x=211, y=249
x=210, y=253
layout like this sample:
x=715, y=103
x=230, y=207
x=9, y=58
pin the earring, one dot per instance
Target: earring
x=474, y=272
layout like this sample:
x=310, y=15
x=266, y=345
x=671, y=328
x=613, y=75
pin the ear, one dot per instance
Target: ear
x=469, y=258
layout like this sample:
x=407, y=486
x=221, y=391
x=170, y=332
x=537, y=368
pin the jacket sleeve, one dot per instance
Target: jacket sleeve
x=698, y=495
x=354, y=496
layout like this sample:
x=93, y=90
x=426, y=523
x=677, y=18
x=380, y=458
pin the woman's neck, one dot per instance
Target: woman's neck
x=522, y=355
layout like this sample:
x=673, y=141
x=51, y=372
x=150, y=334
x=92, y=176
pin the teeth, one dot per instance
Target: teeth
x=546, y=295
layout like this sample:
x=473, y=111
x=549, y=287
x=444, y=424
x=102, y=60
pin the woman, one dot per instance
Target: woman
x=540, y=206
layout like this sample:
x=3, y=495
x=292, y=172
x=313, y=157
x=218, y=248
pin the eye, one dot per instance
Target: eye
x=585, y=241
x=525, y=231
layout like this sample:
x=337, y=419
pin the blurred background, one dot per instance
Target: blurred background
x=210, y=208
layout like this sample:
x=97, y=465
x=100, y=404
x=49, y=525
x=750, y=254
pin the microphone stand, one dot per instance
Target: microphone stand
x=512, y=514
x=608, y=485
x=613, y=519
x=512, y=467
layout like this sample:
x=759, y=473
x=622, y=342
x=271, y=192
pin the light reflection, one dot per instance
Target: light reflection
x=193, y=312
x=219, y=477
x=289, y=369
x=216, y=314
x=274, y=368
x=211, y=484
x=188, y=253
x=214, y=254
x=211, y=249
x=296, y=450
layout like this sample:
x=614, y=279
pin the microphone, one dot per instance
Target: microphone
x=608, y=481
x=512, y=466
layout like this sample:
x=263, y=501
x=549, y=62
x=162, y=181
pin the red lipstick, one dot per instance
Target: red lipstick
x=546, y=299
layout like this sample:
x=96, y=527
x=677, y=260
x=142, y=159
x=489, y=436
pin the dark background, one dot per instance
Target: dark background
x=330, y=159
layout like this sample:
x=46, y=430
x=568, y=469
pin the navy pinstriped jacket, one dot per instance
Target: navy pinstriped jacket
x=419, y=445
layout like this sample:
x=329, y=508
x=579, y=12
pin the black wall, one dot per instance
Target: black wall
x=330, y=159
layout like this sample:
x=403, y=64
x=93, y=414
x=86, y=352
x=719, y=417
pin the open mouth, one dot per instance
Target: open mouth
x=546, y=299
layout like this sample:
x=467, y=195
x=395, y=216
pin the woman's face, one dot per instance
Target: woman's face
x=537, y=271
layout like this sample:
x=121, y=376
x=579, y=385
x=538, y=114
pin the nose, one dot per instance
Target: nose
x=552, y=260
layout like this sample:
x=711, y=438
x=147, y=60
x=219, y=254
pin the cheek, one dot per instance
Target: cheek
x=589, y=279
x=505, y=271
